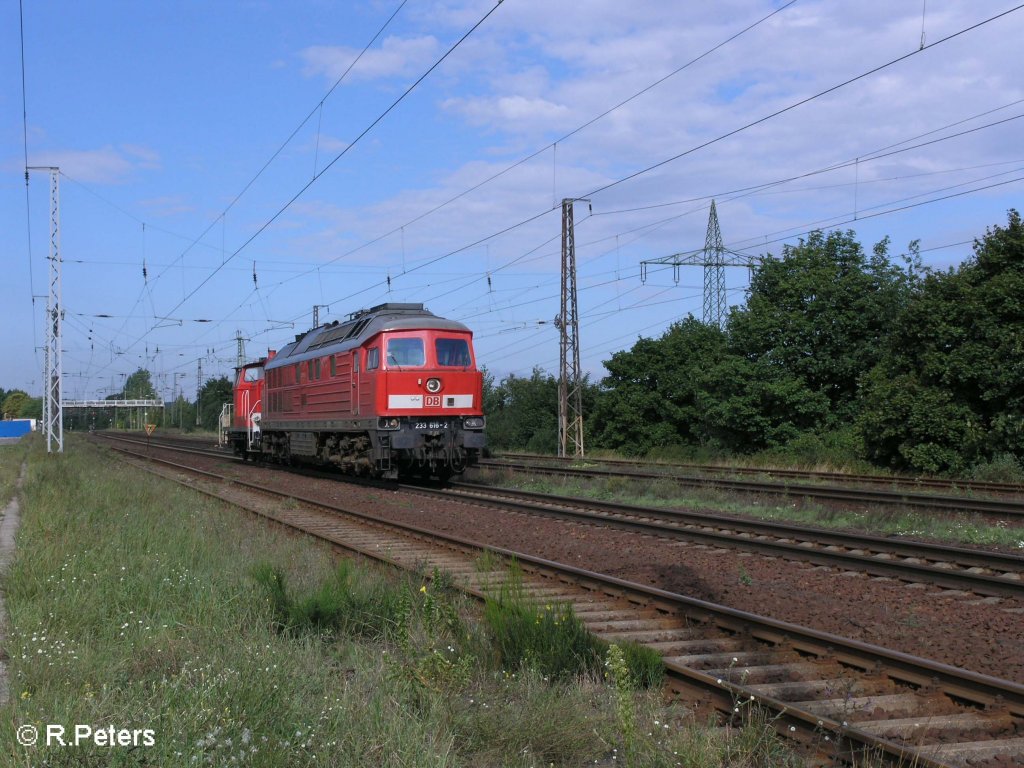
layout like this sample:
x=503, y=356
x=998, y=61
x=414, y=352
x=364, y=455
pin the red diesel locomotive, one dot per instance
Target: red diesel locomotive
x=392, y=391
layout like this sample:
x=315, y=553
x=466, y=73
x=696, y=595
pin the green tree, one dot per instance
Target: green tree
x=948, y=392
x=749, y=405
x=139, y=386
x=180, y=413
x=821, y=312
x=522, y=413
x=212, y=396
x=32, y=408
x=15, y=400
x=654, y=393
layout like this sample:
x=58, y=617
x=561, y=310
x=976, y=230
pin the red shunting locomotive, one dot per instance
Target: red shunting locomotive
x=392, y=391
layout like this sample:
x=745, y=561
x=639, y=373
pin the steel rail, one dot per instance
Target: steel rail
x=993, y=703
x=982, y=486
x=670, y=524
x=1000, y=507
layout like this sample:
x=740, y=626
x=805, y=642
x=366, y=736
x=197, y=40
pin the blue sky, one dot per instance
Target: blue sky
x=160, y=114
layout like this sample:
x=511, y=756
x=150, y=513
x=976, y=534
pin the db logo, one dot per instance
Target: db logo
x=432, y=400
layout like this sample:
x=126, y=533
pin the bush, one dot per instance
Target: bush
x=685, y=453
x=1002, y=468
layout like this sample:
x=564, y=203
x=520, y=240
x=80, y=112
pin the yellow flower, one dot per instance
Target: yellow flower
x=26, y=695
x=423, y=589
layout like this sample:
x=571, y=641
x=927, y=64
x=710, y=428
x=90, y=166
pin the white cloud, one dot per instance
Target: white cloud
x=511, y=112
x=395, y=57
x=107, y=165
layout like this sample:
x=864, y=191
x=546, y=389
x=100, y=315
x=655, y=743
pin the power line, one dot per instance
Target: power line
x=870, y=157
x=336, y=158
x=434, y=260
x=799, y=103
x=861, y=217
x=28, y=205
x=546, y=147
x=708, y=143
x=197, y=241
x=291, y=136
x=754, y=190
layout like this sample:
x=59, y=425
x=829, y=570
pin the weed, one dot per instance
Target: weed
x=487, y=562
x=549, y=639
x=625, y=705
x=745, y=578
x=646, y=668
x=338, y=605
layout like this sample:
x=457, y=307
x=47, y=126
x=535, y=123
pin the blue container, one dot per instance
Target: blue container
x=15, y=427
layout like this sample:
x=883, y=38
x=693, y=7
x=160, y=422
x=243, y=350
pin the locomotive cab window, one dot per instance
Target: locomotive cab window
x=372, y=358
x=253, y=374
x=452, y=352
x=405, y=353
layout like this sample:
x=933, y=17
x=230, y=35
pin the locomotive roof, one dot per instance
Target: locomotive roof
x=342, y=336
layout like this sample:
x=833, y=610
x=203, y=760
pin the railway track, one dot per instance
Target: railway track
x=972, y=572
x=835, y=478
x=843, y=697
x=953, y=568
x=1004, y=508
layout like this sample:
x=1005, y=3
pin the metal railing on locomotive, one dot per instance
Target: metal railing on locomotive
x=252, y=421
x=227, y=415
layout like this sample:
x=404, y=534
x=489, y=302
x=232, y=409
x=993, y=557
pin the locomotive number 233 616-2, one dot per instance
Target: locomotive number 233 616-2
x=431, y=425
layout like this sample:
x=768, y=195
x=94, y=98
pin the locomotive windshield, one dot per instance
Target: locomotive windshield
x=452, y=352
x=406, y=352
x=253, y=374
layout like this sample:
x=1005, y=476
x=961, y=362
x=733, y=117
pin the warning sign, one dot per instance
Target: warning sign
x=150, y=428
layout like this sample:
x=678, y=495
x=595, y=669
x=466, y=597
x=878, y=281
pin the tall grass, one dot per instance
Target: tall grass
x=549, y=639
x=343, y=604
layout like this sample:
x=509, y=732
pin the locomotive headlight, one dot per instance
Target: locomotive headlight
x=473, y=422
x=433, y=385
x=384, y=423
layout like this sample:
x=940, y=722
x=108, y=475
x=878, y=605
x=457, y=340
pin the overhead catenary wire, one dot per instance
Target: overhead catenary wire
x=760, y=239
x=720, y=137
x=287, y=141
x=263, y=227
x=800, y=103
x=554, y=144
x=222, y=217
x=879, y=154
x=28, y=204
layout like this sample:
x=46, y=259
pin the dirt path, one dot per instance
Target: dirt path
x=8, y=529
